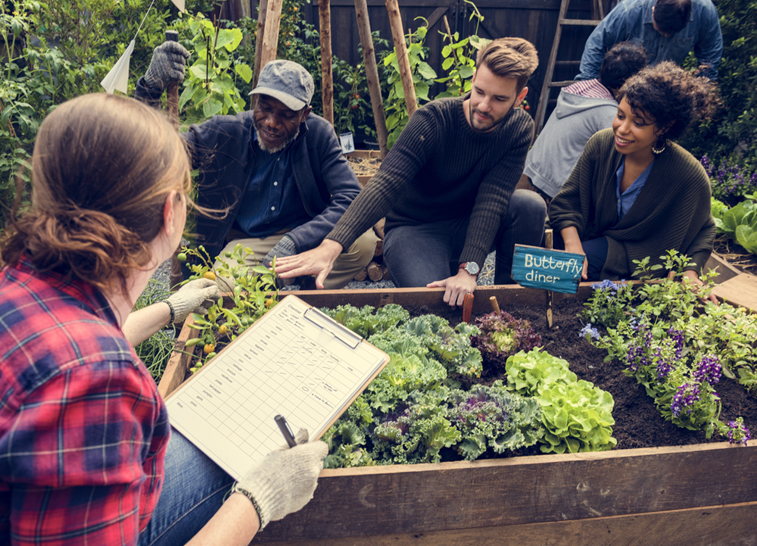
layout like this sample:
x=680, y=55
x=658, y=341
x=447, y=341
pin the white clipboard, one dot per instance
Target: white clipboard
x=295, y=361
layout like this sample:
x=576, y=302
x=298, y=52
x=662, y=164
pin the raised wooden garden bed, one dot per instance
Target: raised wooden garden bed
x=696, y=494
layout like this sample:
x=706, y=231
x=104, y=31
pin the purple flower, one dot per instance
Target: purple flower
x=737, y=432
x=588, y=330
x=709, y=369
x=686, y=395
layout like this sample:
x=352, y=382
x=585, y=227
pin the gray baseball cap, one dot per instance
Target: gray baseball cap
x=286, y=81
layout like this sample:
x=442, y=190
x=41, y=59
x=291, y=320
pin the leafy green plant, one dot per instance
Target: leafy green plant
x=252, y=293
x=678, y=347
x=459, y=58
x=577, y=416
x=412, y=412
x=423, y=77
x=740, y=224
x=210, y=87
x=607, y=304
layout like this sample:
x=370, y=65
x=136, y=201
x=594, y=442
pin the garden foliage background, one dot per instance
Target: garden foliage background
x=53, y=51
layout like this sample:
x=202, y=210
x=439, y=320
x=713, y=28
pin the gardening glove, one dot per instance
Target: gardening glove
x=194, y=297
x=167, y=66
x=286, y=479
x=285, y=247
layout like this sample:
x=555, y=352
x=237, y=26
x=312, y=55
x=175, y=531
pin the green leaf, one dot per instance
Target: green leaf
x=189, y=90
x=446, y=50
x=447, y=63
x=236, y=35
x=211, y=107
x=198, y=70
x=426, y=71
x=421, y=91
x=466, y=72
x=244, y=71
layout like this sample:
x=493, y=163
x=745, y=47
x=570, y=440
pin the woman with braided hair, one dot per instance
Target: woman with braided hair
x=87, y=454
x=634, y=193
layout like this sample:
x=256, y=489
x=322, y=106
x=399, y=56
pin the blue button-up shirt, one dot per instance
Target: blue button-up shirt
x=632, y=20
x=271, y=201
x=628, y=197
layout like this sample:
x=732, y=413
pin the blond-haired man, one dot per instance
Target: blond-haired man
x=447, y=186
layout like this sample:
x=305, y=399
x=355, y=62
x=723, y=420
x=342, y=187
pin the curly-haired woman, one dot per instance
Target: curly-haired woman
x=633, y=192
x=85, y=454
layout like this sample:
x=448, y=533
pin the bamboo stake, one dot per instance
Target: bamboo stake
x=262, y=10
x=495, y=304
x=371, y=72
x=403, y=61
x=172, y=106
x=327, y=78
x=548, y=243
x=271, y=32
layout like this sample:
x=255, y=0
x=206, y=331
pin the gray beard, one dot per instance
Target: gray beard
x=277, y=148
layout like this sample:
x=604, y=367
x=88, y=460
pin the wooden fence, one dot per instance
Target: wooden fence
x=534, y=20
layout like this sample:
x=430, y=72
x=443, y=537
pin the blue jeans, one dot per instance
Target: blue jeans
x=193, y=491
x=596, y=253
x=418, y=255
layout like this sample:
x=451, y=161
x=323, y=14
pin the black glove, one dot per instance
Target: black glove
x=167, y=66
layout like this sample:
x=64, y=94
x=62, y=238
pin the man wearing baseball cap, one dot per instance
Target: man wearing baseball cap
x=278, y=169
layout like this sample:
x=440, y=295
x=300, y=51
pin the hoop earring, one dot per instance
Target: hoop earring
x=659, y=146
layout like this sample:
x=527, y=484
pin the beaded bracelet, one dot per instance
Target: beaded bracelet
x=237, y=489
x=173, y=313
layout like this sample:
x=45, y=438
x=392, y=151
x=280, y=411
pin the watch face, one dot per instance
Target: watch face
x=472, y=268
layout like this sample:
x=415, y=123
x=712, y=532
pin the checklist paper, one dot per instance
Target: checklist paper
x=294, y=361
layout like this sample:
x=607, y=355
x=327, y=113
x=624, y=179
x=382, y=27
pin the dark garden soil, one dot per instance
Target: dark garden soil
x=637, y=421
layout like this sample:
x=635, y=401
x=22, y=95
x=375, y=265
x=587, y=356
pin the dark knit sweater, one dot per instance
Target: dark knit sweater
x=439, y=169
x=672, y=210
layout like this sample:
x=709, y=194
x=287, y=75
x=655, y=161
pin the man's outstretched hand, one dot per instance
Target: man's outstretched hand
x=317, y=261
x=456, y=288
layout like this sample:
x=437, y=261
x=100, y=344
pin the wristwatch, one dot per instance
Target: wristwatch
x=470, y=267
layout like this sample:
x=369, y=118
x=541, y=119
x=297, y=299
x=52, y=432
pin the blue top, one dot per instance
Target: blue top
x=632, y=20
x=271, y=201
x=628, y=197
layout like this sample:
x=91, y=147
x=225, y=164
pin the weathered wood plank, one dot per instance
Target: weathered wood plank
x=740, y=290
x=176, y=369
x=413, y=499
x=712, y=526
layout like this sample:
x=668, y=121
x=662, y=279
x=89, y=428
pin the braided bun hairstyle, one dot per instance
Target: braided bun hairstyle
x=102, y=168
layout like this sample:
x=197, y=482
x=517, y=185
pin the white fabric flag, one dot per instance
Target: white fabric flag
x=179, y=4
x=118, y=77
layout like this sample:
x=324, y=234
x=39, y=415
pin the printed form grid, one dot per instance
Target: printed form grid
x=287, y=366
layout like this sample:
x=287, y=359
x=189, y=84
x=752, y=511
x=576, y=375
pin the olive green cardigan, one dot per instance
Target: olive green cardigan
x=672, y=211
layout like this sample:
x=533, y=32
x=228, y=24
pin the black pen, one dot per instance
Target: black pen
x=284, y=428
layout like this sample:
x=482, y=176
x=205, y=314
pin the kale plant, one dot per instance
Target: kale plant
x=411, y=413
x=364, y=322
x=493, y=417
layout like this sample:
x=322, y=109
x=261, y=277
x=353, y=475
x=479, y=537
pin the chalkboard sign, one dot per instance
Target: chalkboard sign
x=555, y=270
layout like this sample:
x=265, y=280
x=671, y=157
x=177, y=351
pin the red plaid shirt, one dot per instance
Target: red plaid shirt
x=83, y=430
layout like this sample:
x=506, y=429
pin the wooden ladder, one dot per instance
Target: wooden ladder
x=597, y=14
